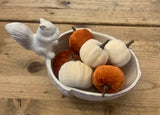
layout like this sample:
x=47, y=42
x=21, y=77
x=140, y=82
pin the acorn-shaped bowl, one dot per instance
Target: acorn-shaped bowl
x=131, y=71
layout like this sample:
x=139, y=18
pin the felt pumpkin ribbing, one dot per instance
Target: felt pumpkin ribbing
x=75, y=74
x=108, y=75
x=61, y=58
x=93, y=54
x=119, y=54
x=78, y=38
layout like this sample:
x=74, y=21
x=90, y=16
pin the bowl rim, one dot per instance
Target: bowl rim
x=71, y=89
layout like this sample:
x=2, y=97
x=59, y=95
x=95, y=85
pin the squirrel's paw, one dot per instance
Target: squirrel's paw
x=51, y=55
x=55, y=42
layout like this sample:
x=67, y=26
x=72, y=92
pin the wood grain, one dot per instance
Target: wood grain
x=25, y=87
x=73, y=106
x=106, y=12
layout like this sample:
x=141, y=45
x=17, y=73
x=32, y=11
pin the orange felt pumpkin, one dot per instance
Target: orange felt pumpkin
x=78, y=38
x=110, y=76
x=61, y=58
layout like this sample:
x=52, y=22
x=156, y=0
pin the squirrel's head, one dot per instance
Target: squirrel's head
x=46, y=28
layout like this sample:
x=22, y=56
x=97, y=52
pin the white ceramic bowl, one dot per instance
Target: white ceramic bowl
x=131, y=71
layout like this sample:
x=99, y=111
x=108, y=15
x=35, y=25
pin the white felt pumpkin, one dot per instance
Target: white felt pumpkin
x=76, y=74
x=92, y=54
x=119, y=55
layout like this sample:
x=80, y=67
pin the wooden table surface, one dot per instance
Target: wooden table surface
x=26, y=89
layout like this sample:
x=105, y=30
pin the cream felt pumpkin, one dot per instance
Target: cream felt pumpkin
x=93, y=54
x=119, y=55
x=76, y=74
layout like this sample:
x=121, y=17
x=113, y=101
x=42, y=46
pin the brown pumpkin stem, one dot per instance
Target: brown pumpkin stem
x=73, y=57
x=129, y=43
x=74, y=29
x=105, y=88
x=103, y=44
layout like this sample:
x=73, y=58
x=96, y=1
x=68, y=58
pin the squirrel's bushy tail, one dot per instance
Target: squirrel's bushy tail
x=21, y=33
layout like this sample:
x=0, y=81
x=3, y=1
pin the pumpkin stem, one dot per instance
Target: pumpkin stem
x=105, y=88
x=129, y=43
x=103, y=44
x=73, y=57
x=74, y=29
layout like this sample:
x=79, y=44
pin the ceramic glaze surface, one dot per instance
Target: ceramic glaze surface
x=131, y=71
x=41, y=42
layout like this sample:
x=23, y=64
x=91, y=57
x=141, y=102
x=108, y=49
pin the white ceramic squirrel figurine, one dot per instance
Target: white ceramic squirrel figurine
x=41, y=42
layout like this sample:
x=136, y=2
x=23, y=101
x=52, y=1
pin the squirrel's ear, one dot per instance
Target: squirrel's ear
x=42, y=20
